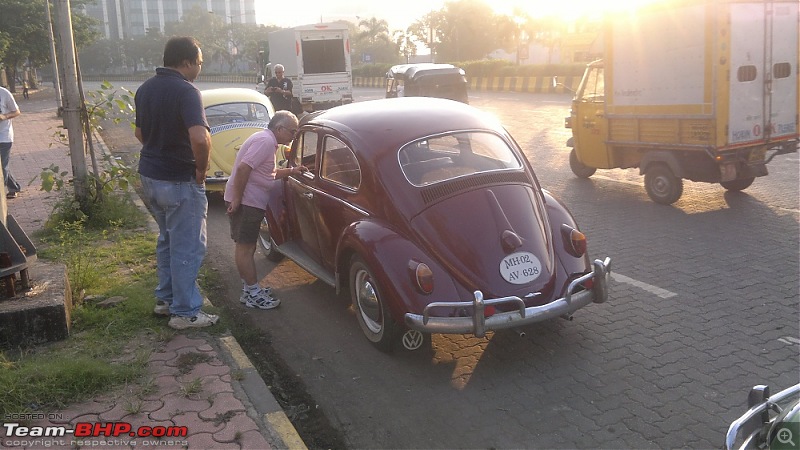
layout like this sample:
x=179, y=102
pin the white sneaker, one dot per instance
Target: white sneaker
x=246, y=295
x=201, y=320
x=262, y=300
x=161, y=308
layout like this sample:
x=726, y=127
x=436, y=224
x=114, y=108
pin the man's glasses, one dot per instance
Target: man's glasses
x=292, y=132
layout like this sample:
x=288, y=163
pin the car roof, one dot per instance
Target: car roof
x=380, y=126
x=415, y=71
x=232, y=95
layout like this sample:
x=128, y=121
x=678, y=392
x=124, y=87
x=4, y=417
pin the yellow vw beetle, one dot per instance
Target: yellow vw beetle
x=233, y=115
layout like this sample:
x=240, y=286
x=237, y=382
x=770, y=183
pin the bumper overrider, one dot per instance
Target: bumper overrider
x=215, y=184
x=478, y=324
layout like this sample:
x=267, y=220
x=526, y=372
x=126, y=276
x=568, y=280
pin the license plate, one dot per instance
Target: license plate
x=520, y=268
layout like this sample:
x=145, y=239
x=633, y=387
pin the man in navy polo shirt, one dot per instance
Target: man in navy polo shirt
x=176, y=143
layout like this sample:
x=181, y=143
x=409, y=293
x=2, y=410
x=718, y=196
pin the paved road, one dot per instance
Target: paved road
x=704, y=305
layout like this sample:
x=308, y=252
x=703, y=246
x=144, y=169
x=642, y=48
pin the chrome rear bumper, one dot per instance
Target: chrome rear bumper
x=478, y=324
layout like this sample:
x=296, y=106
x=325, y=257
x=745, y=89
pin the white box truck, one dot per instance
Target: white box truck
x=705, y=90
x=317, y=60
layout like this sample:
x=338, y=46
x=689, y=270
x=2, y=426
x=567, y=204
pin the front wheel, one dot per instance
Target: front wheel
x=738, y=185
x=578, y=168
x=661, y=185
x=267, y=244
x=372, y=312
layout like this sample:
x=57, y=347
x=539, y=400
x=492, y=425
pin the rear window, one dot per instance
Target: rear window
x=442, y=158
x=237, y=114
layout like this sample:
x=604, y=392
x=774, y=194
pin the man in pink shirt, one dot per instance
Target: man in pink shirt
x=247, y=193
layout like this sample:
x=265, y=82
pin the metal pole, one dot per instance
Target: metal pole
x=56, y=80
x=72, y=99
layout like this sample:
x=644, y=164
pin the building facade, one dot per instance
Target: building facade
x=125, y=19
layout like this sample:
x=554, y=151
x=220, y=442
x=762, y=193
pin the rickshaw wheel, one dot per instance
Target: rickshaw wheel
x=580, y=169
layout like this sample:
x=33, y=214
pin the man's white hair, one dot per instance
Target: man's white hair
x=279, y=67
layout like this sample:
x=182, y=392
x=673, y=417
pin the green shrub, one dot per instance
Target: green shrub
x=372, y=70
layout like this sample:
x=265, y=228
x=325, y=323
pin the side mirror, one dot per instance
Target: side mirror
x=556, y=84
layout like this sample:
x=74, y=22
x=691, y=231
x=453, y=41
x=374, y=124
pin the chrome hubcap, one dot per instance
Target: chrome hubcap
x=266, y=240
x=368, y=305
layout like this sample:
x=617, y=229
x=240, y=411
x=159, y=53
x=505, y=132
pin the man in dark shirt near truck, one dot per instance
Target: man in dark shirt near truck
x=279, y=90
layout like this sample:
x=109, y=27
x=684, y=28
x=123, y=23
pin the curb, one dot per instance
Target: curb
x=278, y=424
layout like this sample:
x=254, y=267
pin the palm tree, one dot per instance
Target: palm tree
x=375, y=31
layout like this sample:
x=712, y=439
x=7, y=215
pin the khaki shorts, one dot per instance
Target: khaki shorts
x=246, y=224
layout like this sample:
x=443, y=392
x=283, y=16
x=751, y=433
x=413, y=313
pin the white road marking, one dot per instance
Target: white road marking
x=789, y=340
x=663, y=293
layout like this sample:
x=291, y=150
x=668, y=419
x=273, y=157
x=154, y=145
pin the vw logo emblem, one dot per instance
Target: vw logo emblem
x=413, y=339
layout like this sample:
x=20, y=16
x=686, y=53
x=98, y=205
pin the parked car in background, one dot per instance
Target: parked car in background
x=428, y=214
x=427, y=80
x=772, y=422
x=233, y=115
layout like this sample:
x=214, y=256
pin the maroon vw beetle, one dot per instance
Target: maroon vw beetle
x=426, y=211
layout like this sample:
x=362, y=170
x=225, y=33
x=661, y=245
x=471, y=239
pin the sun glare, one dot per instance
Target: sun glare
x=566, y=9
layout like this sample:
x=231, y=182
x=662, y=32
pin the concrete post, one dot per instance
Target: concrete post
x=72, y=98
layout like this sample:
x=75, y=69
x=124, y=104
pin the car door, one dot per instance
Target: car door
x=589, y=124
x=339, y=181
x=301, y=196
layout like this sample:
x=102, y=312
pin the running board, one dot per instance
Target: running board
x=293, y=251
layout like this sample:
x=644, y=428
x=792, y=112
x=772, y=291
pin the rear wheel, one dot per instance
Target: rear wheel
x=372, y=312
x=578, y=168
x=267, y=244
x=738, y=185
x=661, y=185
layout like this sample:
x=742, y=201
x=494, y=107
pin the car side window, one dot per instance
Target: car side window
x=339, y=164
x=307, y=154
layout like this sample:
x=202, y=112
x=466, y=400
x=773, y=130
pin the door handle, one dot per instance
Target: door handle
x=308, y=195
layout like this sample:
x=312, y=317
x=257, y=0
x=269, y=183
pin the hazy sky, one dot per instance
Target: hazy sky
x=398, y=14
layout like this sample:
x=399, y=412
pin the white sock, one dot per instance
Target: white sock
x=252, y=290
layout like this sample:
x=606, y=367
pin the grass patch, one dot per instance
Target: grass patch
x=108, y=347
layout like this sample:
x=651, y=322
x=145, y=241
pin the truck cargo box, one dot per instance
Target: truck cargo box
x=701, y=90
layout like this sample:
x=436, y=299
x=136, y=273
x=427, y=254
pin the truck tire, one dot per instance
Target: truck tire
x=738, y=185
x=578, y=168
x=661, y=185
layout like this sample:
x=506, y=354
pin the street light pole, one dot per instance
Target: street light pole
x=56, y=79
x=72, y=100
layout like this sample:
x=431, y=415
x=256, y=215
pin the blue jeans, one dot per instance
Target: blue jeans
x=5, y=155
x=180, y=209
